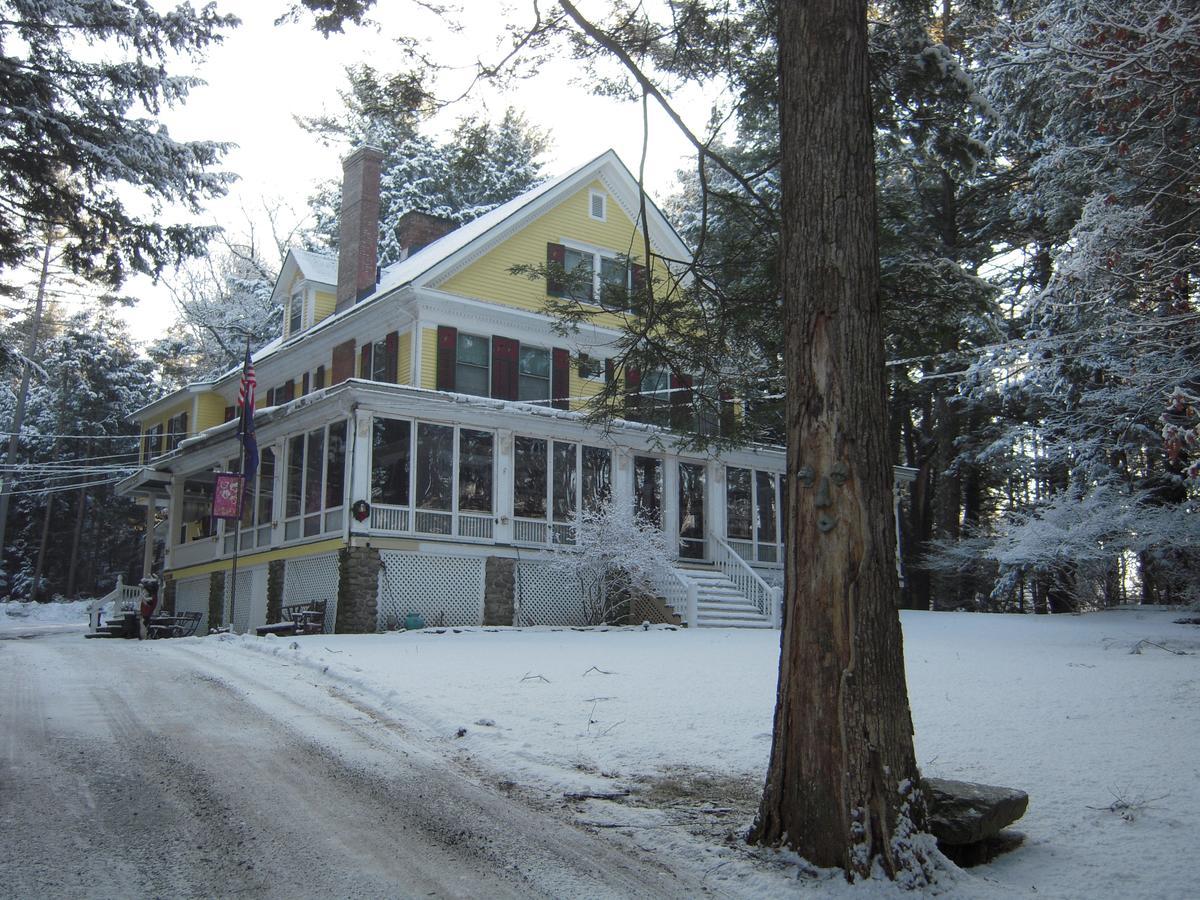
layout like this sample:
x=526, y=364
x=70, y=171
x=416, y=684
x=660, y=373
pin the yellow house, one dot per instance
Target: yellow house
x=421, y=442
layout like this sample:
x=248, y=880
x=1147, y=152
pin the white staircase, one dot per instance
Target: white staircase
x=719, y=602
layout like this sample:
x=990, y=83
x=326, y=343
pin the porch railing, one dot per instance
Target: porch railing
x=402, y=520
x=123, y=597
x=766, y=598
x=681, y=594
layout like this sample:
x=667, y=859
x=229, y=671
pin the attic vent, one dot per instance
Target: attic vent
x=598, y=203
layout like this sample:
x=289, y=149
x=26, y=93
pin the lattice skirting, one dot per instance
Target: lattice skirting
x=313, y=578
x=191, y=595
x=443, y=590
x=547, y=597
x=250, y=606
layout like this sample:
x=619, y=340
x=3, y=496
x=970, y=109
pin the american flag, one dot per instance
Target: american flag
x=246, y=423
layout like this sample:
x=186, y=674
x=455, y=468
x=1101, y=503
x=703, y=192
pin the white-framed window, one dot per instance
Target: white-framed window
x=258, y=505
x=552, y=481
x=598, y=205
x=471, y=368
x=533, y=374
x=443, y=474
x=592, y=368
x=752, y=521
x=296, y=312
x=315, y=490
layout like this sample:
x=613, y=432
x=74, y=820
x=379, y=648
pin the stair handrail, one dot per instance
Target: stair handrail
x=121, y=594
x=749, y=582
x=672, y=589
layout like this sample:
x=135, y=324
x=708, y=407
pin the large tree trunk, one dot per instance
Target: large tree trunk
x=842, y=784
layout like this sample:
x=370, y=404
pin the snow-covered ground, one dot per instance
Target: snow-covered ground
x=22, y=614
x=1102, y=738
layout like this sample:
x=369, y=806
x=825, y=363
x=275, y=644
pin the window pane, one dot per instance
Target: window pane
x=335, y=467
x=474, y=471
x=297, y=312
x=473, y=350
x=266, y=486
x=765, y=499
x=435, y=466
x=533, y=380
x=579, y=267
x=295, y=475
x=379, y=361
x=597, y=476
x=648, y=489
x=691, y=511
x=390, y=452
x=737, y=504
x=314, y=460
x=565, y=483
x=614, y=282
x=471, y=380
x=529, y=478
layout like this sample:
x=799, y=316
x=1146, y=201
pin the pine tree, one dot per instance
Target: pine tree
x=81, y=84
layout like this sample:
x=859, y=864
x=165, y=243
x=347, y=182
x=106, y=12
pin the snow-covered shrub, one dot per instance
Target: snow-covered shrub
x=617, y=554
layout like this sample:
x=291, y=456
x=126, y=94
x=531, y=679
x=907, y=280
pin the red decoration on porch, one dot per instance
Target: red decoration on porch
x=360, y=510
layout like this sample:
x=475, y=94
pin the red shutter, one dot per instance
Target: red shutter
x=560, y=379
x=504, y=368
x=230, y=412
x=304, y=385
x=393, y=357
x=633, y=392
x=319, y=378
x=447, y=357
x=343, y=362
x=288, y=391
x=270, y=397
x=681, y=401
x=364, y=369
x=556, y=261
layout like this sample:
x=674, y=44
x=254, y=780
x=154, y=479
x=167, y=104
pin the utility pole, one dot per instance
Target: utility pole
x=19, y=412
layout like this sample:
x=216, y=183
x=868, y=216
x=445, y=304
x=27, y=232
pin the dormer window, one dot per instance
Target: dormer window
x=598, y=205
x=296, y=313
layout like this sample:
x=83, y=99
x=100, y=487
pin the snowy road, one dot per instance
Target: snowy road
x=142, y=769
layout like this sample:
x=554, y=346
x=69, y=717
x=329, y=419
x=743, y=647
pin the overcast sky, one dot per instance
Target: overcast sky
x=263, y=75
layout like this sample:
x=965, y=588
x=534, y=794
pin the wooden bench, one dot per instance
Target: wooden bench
x=182, y=625
x=298, y=618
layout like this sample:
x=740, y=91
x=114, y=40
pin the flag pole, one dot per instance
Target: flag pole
x=237, y=528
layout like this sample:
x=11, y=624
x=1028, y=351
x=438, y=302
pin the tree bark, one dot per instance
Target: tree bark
x=842, y=787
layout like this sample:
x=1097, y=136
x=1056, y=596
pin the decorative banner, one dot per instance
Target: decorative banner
x=227, y=496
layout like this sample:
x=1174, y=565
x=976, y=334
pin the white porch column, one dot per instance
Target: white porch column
x=278, y=483
x=174, y=518
x=622, y=478
x=670, y=503
x=503, y=499
x=715, y=501
x=359, y=459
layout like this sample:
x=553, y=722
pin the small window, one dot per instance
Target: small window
x=591, y=367
x=598, y=205
x=533, y=374
x=614, y=283
x=471, y=365
x=579, y=267
x=296, y=313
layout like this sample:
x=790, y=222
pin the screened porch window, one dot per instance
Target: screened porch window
x=391, y=453
x=316, y=481
x=752, y=513
x=648, y=489
x=471, y=365
x=553, y=479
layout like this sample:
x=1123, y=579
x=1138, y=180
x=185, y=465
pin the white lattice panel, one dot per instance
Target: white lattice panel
x=240, y=616
x=443, y=590
x=313, y=578
x=191, y=595
x=546, y=596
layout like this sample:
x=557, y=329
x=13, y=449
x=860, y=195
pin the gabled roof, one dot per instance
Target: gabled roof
x=319, y=267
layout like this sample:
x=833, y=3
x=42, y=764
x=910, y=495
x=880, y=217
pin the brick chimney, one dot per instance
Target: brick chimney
x=419, y=229
x=358, y=226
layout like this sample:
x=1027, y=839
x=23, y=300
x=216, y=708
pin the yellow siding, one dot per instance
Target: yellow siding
x=210, y=411
x=325, y=303
x=488, y=277
x=428, y=359
x=184, y=405
x=404, y=359
x=582, y=389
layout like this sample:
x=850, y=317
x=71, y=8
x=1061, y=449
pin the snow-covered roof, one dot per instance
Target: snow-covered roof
x=318, y=267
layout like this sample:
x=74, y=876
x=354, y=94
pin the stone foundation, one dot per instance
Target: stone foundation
x=216, y=599
x=358, y=590
x=275, y=569
x=499, y=590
